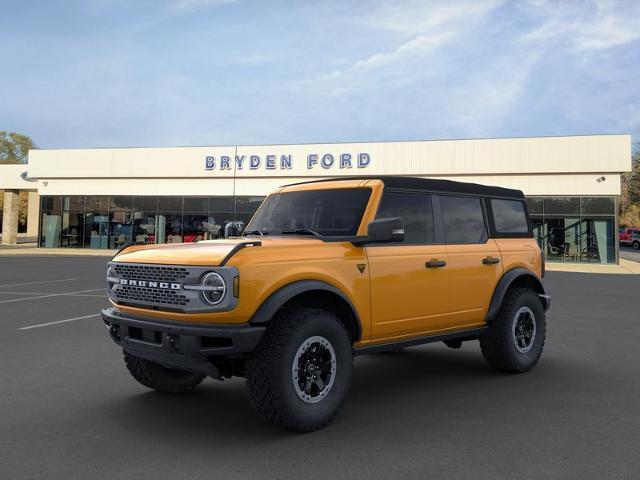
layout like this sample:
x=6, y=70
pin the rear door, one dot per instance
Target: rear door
x=410, y=280
x=473, y=258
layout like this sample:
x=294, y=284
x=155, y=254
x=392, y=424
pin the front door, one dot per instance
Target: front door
x=410, y=281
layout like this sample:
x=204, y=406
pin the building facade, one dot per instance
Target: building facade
x=105, y=198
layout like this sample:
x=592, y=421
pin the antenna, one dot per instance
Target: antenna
x=235, y=166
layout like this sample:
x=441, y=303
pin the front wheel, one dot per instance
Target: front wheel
x=636, y=245
x=300, y=372
x=515, y=338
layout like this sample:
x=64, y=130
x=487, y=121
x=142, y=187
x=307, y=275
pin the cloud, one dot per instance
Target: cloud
x=417, y=46
x=595, y=26
x=482, y=103
x=258, y=58
x=339, y=82
x=193, y=5
x=413, y=31
x=419, y=16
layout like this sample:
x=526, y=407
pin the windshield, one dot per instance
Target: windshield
x=330, y=212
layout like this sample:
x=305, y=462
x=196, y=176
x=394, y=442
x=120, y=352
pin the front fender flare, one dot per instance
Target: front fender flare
x=276, y=300
x=505, y=283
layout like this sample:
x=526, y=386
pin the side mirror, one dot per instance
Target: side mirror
x=383, y=230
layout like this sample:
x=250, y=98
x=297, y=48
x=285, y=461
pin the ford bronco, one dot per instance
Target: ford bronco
x=327, y=270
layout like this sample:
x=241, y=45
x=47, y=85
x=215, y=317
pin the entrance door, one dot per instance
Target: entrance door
x=409, y=281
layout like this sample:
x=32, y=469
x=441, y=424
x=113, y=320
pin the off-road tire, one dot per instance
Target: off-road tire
x=160, y=378
x=269, y=371
x=498, y=345
x=636, y=245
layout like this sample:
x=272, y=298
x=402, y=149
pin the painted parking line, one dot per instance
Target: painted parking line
x=66, y=320
x=36, y=283
x=20, y=293
x=63, y=294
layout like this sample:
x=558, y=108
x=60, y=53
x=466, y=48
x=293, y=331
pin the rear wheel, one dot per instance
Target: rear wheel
x=300, y=372
x=636, y=245
x=160, y=378
x=515, y=338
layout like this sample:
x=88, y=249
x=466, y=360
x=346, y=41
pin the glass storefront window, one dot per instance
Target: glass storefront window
x=534, y=205
x=96, y=230
x=145, y=204
x=74, y=203
x=561, y=205
x=196, y=204
x=221, y=204
x=569, y=229
x=597, y=205
x=170, y=204
x=111, y=222
x=96, y=204
x=144, y=227
x=120, y=229
x=575, y=229
x=169, y=228
x=194, y=227
x=121, y=204
x=72, y=229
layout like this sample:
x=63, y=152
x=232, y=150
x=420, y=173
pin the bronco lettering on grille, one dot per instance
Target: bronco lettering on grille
x=149, y=284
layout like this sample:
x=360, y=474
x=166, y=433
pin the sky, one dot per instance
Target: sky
x=108, y=73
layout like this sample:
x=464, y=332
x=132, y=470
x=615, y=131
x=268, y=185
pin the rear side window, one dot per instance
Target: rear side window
x=463, y=220
x=509, y=216
x=415, y=211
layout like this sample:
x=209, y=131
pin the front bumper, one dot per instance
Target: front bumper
x=177, y=345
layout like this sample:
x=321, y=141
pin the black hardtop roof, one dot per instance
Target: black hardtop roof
x=432, y=185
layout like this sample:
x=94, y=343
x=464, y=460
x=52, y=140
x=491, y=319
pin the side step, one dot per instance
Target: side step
x=462, y=334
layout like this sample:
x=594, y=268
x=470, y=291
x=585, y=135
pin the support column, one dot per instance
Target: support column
x=33, y=214
x=10, y=217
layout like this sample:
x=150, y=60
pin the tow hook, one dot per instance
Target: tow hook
x=172, y=342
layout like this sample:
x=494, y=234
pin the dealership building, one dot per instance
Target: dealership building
x=104, y=198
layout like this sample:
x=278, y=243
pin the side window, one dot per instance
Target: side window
x=463, y=220
x=415, y=211
x=509, y=216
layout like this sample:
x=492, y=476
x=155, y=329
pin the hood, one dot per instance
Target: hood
x=206, y=253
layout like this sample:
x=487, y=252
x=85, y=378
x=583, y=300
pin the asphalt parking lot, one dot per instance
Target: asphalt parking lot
x=70, y=410
x=629, y=253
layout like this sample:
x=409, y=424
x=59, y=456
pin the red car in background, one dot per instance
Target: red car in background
x=630, y=237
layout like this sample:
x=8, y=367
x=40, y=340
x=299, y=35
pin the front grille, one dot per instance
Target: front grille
x=133, y=294
x=130, y=294
x=158, y=273
x=166, y=287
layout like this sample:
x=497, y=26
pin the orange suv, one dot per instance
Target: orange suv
x=325, y=271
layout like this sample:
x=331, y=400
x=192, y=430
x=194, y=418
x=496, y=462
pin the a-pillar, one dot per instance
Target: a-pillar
x=33, y=214
x=10, y=217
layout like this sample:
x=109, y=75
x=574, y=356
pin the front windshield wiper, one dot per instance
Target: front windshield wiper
x=302, y=231
x=259, y=231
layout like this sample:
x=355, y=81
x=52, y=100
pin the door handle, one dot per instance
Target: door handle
x=435, y=263
x=490, y=260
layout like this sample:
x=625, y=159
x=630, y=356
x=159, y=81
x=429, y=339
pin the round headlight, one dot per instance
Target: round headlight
x=214, y=288
x=111, y=277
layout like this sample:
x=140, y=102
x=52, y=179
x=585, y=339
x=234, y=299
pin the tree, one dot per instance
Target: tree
x=14, y=147
x=630, y=193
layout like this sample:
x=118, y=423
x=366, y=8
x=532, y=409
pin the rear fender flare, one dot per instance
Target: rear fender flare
x=506, y=282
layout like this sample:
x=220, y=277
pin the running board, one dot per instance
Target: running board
x=472, y=333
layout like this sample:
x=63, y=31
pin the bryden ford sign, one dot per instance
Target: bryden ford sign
x=286, y=162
